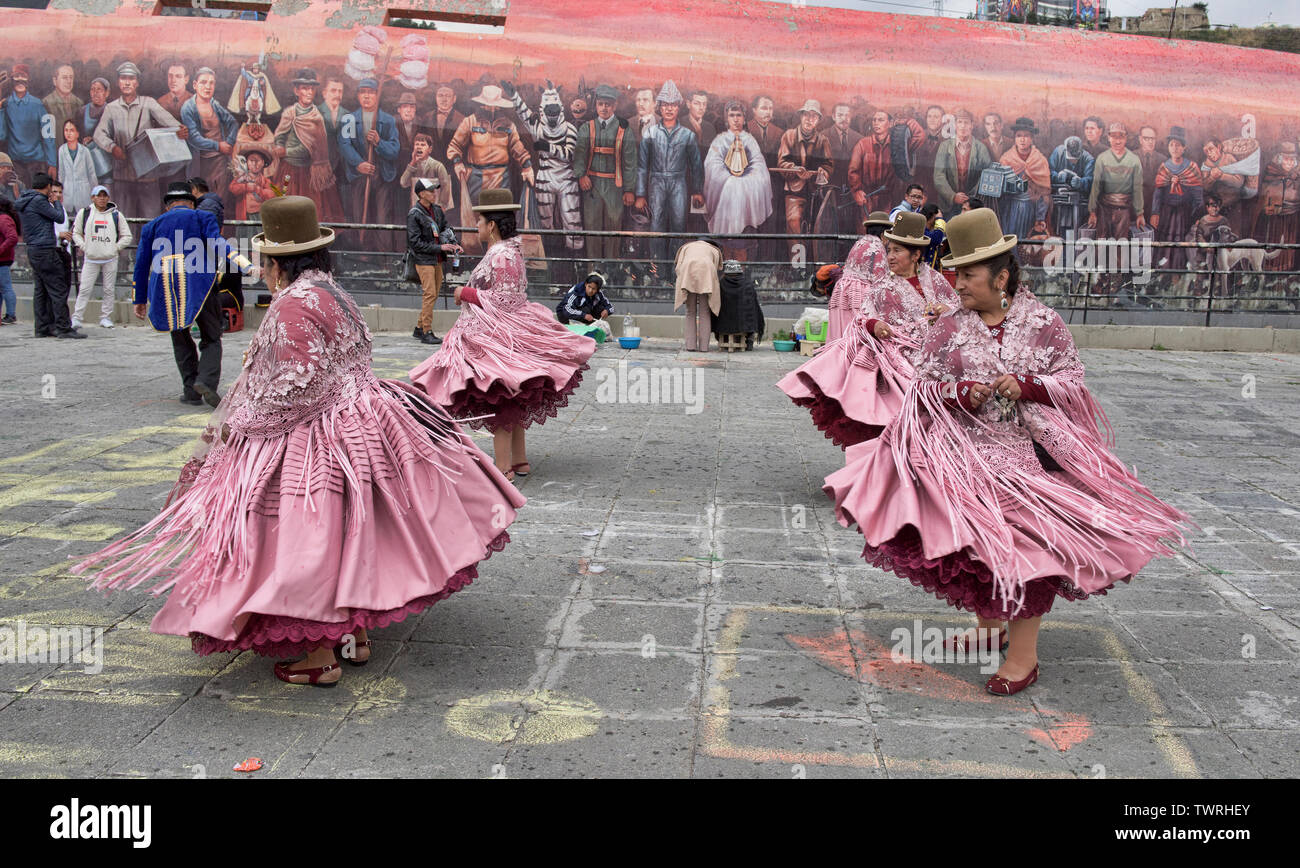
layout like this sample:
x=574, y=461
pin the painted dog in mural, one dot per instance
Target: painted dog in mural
x=558, y=201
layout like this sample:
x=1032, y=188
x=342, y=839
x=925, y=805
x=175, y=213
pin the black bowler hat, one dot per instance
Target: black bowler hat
x=179, y=190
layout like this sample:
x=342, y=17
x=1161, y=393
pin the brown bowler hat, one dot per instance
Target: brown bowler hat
x=290, y=226
x=496, y=199
x=877, y=218
x=974, y=237
x=909, y=230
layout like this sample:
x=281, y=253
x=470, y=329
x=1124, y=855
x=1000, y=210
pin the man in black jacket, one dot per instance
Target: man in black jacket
x=230, y=285
x=49, y=270
x=428, y=241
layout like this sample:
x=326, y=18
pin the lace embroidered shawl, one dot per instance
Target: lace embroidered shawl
x=985, y=462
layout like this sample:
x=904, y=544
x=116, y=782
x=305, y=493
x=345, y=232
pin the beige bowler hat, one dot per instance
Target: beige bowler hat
x=290, y=226
x=974, y=237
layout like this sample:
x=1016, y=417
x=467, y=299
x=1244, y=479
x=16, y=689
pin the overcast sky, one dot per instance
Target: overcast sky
x=1243, y=13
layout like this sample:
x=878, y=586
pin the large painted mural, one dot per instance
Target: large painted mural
x=675, y=115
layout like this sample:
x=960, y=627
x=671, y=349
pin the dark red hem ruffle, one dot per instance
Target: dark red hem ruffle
x=278, y=636
x=536, y=401
x=828, y=416
x=965, y=583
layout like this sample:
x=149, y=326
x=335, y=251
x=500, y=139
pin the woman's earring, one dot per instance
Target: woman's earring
x=1005, y=304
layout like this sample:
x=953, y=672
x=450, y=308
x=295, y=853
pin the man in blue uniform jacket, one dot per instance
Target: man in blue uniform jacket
x=179, y=258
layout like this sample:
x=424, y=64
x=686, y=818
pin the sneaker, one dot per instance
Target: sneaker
x=10, y=319
x=192, y=401
x=430, y=338
x=106, y=323
x=76, y=323
x=418, y=334
x=71, y=333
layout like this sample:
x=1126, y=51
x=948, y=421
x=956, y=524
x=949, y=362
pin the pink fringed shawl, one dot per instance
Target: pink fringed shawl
x=984, y=463
x=306, y=416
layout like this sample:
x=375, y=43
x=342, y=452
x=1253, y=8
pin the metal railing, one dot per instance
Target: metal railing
x=641, y=277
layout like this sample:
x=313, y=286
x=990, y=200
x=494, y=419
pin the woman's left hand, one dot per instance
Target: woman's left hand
x=1007, y=386
x=934, y=311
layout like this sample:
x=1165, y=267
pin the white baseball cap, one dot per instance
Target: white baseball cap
x=100, y=189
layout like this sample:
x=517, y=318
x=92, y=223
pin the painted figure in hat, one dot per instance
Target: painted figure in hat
x=178, y=259
x=737, y=185
x=22, y=130
x=251, y=184
x=958, y=164
x=1019, y=211
x=485, y=148
x=605, y=164
x=1002, y=518
x=555, y=139
x=253, y=94
x=320, y=502
x=804, y=159
x=370, y=145
x=301, y=144
x=1278, y=221
x=1115, y=200
x=1072, y=169
x=506, y=363
x=884, y=302
x=669, y=169
x=213, y=131
x=1179, y=196
x=407, y=129
x=122, y=123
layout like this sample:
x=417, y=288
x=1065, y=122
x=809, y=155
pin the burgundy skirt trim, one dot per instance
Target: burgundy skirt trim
x=279, y=636
x=965, y=583
x=828, y=416
x=537, y=400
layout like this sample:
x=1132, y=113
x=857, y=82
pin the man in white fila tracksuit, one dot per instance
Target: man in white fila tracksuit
x=102, y=233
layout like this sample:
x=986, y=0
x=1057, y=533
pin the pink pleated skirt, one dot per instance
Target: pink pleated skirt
x=368, y=514
x=518, y=374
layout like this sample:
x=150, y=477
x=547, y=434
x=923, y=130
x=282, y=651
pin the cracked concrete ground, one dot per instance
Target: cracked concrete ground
x=677, y=599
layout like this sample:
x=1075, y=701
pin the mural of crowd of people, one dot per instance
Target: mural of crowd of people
x=648, y=155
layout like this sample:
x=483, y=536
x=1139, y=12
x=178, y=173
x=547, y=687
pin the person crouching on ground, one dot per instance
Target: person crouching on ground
x=585, y=302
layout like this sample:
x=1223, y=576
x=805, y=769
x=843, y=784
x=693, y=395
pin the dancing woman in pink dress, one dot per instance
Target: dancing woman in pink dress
x=846, y=299
x=992, y=488
x=507, y=362
x=322, y=502
x=855, y=385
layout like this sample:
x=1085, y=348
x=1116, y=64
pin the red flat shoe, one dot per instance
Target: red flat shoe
x=522, y=473
x=999, y=686
x=985, y=642
x=338, y=649
x=283, y=672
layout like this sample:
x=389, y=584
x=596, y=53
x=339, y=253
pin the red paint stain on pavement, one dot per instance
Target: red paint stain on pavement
x=875, y=664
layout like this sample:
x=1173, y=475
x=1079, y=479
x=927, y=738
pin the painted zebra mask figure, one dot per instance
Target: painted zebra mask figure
x=554, y=137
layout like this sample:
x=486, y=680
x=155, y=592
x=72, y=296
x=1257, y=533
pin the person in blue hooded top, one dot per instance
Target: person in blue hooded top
x=178, y=261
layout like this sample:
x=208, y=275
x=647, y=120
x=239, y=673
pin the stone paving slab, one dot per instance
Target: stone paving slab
x=677, y=599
